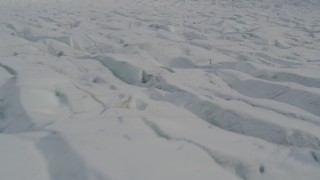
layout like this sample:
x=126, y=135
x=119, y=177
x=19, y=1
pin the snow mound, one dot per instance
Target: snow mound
x=175, y=90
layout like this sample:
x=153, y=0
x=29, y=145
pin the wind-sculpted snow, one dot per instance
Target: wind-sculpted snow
x=150, y=89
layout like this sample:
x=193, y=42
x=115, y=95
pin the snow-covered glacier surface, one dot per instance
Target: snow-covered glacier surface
x=159, y=89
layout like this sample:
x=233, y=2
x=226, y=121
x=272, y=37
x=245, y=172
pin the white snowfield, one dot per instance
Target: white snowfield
x=159, y=89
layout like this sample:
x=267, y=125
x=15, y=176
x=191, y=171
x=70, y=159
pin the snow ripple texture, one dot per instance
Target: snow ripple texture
x=154, y=90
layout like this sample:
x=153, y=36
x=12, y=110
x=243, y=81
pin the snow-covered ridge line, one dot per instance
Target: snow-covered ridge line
x=150, y=89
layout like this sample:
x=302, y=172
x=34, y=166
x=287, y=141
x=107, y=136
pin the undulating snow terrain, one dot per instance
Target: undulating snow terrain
x=159, y=89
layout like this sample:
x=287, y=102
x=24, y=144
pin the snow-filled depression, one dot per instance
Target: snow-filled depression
x=159, y=89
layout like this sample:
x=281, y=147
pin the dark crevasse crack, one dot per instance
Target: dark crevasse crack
x=104, y=107
x=155, y=128
x=235, y=165
x=9, y=69
x=315, y=156
x=270, y=108
x=234, y=121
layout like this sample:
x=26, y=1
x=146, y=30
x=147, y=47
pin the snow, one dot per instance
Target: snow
x=170, y=89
